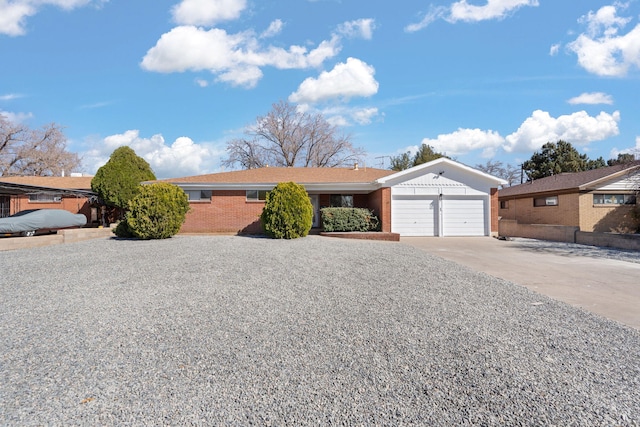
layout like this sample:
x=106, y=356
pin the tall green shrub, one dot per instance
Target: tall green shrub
x=287, y=213
x=156, y=212
x=118, y=181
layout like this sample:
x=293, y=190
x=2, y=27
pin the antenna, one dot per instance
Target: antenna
x=382, y=161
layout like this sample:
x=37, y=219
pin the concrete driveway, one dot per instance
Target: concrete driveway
x=601, y=280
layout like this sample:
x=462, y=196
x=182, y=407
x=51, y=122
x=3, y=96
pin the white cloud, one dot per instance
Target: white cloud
x=10, y=96
x=16, y=117
x=578, y=128
x=633, y=150
x=601, y=50
x=346, y=116
x=182, y=158
x=465, y=140
x=354, y=78
x=494, y=9
x=207, y=12
x=463, y=11
x=592, y=98
x=360, y=28
x=554, y=49
x=235, y=58
x=13, y=14
x=430, y=17
x=274, y=28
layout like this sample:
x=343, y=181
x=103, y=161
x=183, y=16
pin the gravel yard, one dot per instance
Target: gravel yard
x=226, y=330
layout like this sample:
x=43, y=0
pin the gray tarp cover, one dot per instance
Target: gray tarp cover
x=41, y=218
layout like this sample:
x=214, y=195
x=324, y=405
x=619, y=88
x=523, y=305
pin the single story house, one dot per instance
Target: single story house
x=72, y=193
x=439, y=198
x=598, y=200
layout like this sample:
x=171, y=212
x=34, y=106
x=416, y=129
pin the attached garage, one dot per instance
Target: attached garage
x=443, y=198
x=464, y=217
x=414, y=216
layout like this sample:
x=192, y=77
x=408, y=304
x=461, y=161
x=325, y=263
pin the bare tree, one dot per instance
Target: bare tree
x=286, y=137
x=497, y=168
x=42, y=152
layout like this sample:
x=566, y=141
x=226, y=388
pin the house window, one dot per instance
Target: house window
x=504, y=204
x=341, y=201
x=614, y=199
x=198, y=195
x=545, y=201
x=256, y=195
x=45, y=198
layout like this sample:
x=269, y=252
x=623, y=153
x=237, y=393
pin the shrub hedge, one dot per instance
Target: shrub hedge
x=156, y=212
x=349, y=219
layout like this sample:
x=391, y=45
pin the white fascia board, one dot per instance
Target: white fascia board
x=335, y=188
x=410, y=173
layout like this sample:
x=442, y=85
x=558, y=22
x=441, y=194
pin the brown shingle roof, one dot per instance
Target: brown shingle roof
x=567, y=181
x=60, y=182
x=271, y=175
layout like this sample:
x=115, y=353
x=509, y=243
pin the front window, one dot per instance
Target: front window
x=341, y=201
x=545, y=201
x=45, y=198
x=504, y=204
x=256, y=195
x=614, y=199
x=198, y=195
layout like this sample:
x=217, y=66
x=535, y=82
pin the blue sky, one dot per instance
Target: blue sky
x=175, y=80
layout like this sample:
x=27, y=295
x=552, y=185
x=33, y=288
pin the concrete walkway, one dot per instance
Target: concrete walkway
x=577, y=275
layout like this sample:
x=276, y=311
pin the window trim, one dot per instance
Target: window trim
x=45, y=198
x=205, y=196
x=548, y=201
x=342, y=203
x=627, y=199
x=259, y=197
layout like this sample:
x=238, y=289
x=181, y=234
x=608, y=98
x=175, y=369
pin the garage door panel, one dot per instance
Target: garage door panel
x=413, y=216
x=463, y=217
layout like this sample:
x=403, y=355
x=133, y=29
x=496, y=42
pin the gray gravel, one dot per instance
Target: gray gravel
x=315, y=331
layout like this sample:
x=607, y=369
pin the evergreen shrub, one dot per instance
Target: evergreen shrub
x=156, y=212
x=287, y=213
x=349, y=219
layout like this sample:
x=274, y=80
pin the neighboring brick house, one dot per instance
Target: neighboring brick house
x=231, y=202
x=71, y=193
x=598, y=200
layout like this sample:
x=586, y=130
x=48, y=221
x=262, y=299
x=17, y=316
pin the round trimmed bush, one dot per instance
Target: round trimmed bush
x=287, y=213
x=156, y=212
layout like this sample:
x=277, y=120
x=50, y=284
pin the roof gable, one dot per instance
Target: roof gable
x=439, y=167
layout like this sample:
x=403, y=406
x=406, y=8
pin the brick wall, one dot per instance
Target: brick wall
x=522, y=210
x=380, y=203
x=229, y=212
x=226, y=212
x=606, y=218
x=494, y=208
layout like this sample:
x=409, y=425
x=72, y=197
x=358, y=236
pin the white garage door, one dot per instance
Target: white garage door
x=463, y=217
x=414, y=216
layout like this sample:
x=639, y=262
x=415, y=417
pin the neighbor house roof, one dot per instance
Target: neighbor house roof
x=79, y=185
x=273, y=175
x=62, y=182
x=575, y=181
